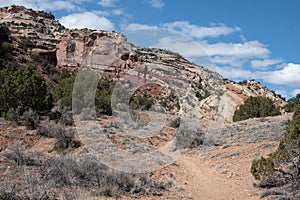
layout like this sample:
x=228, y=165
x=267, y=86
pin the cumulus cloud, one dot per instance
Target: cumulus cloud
x=200, y=32
x=86, y=20
x=235, y=54
x=251, y=49
x=264, y=64
x=156, y=3
x=288, y=75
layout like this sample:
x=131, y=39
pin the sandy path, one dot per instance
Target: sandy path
x=223, y=174
x=207, y=183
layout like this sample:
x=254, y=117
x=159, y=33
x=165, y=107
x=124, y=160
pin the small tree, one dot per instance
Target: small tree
x=256, y=107
x=104, y=92
x=23, y=90
x=273, y=171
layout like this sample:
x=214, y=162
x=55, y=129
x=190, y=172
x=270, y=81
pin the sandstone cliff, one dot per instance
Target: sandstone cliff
x=211, y=97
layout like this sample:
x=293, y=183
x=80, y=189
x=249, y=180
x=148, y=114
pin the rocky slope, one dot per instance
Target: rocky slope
x=220, y=171
x=111, y=55
x=205, y=98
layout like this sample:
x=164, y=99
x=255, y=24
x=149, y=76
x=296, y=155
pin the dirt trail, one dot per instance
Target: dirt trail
x=206, y=183
x=223, y=174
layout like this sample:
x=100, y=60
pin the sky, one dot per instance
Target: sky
x=248, y=39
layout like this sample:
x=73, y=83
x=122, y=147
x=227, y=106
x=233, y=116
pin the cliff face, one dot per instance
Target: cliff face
x=75, y=48
x=110, y=54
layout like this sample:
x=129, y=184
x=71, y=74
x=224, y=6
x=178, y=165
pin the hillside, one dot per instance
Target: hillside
x=71, y=49
x=155, y=105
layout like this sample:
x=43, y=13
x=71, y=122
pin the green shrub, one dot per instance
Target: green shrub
x=272, y=171
x=262, y=168
x=255, y=107
x=103, y=96
x=23, y=90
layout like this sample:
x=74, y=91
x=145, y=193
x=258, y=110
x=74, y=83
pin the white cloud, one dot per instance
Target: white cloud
x=295, y=92
x=107, y=3
x=86, y=20
x=156, y=3
x=251, y=49
x=235, y=54
x=200, y=32
x=288, y=75
x=264, y=64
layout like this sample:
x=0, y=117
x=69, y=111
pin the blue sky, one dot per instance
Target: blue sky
x=245, y=39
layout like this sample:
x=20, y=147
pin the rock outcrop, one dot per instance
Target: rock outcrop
x=109, y=54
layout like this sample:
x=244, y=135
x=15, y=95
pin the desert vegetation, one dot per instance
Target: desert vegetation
x=70, y=177
x=281, y=168
x=43, y=157
x=36, y=94
x=256, y=107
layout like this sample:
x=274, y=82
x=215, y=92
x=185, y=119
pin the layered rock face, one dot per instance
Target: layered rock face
x=210, y=97
x=77, y=48
x=40, y=28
